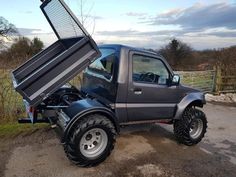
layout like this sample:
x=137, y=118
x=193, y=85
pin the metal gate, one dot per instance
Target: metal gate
x=203, y=80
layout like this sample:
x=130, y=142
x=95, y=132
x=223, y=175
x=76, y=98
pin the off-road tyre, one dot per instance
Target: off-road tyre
x=183, y=127
x=92, y=123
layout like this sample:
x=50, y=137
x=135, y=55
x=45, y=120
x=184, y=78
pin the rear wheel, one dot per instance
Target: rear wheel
x=191, y=128
x=92, y=141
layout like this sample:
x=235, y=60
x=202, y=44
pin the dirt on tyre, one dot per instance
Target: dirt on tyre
x=91, y=141
x=191, y=128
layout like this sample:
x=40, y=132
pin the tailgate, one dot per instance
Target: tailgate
x=47, y=71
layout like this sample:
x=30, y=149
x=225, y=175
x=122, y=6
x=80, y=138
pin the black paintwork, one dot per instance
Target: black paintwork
x=85, y=107
x=115, y=98
x=163, y=99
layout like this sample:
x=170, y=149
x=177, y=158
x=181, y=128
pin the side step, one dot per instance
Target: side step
x=28, y=121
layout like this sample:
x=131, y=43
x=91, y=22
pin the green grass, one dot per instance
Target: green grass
x=14, y=129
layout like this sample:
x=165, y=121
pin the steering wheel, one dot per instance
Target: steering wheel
x=149, y=77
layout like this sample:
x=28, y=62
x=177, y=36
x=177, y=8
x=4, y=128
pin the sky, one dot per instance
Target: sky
x=140, y=23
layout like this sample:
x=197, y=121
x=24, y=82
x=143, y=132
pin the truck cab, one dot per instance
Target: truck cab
x=136, y=83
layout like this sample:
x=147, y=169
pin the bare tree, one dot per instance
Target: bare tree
x=6, y=29
x=85, y=17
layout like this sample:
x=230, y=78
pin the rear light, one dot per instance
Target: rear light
x=31, y=109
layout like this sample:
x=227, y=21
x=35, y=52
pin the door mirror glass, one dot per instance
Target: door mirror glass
x=176, y=79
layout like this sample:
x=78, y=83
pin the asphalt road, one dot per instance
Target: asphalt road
x=143, y=150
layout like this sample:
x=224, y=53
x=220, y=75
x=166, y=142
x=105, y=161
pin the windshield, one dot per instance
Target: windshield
x=103, y=66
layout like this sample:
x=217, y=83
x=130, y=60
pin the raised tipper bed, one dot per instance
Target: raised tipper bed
x=47, y=71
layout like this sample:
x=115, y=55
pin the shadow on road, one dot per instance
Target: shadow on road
x=141, y=150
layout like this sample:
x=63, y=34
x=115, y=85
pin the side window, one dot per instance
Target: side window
x=103, y=66
x=149, y=70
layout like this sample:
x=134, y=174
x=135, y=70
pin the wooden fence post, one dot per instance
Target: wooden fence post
x=218, y=79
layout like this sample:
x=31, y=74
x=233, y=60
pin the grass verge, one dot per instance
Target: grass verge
x=14, y=129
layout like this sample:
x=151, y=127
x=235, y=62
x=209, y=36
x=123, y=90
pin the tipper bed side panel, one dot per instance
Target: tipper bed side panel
x=38, y=61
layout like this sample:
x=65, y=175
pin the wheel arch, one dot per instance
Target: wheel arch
x=193, y=99
x=197, y=103
x=101, y=111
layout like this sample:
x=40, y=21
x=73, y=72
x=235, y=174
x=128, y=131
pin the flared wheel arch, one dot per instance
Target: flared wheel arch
x=100, y=111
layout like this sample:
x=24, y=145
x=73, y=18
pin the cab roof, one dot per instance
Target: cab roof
x=120, y=46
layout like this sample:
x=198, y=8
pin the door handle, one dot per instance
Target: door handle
x=137, y=91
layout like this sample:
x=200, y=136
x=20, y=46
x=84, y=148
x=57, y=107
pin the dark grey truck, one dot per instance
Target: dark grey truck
x=121, y=86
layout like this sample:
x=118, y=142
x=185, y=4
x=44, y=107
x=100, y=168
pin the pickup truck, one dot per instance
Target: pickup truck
x=121, y=86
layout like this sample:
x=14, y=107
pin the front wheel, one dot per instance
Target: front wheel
x=91, y=141
x=191, y=128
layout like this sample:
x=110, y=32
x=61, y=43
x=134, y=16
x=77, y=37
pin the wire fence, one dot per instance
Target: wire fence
x=10, y=101
x=211, y=81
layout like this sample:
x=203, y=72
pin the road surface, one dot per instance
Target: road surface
x=141, y=150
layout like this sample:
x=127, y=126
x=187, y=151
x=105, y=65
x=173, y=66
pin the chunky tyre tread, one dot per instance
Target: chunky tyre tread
x=71, y=147
x=182, y=126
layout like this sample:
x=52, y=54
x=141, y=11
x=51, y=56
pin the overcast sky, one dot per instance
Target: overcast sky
x=139, y=23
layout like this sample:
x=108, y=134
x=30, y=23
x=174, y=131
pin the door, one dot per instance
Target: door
x=150, y=95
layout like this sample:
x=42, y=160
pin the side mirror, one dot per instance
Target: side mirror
x=176, y=79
